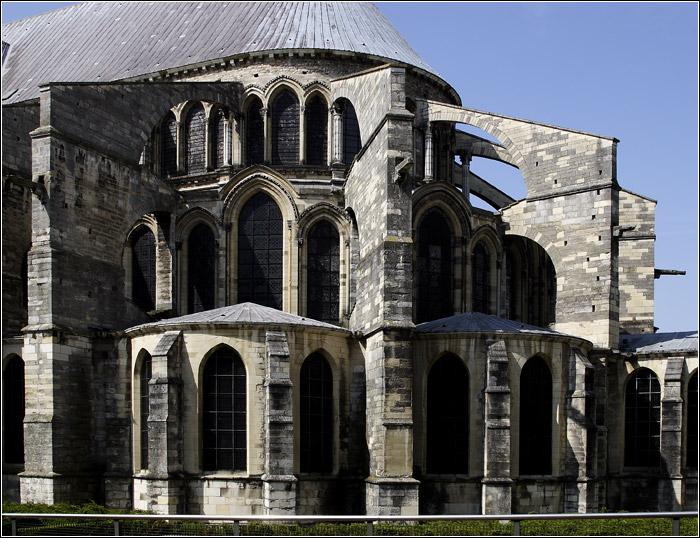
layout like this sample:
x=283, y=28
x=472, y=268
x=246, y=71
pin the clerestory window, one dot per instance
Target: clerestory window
x=285, y=129
x=201, y=269
x=323, y=273
x=434, y=263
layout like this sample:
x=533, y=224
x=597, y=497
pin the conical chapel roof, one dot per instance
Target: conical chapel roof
x=109, y=41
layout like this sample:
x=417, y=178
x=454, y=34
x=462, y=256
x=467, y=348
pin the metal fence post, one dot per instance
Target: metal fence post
x=676, y=526
x=117, y=529
x=14, y=526
x=236, y=528
x=516, y=527
x=370, y=528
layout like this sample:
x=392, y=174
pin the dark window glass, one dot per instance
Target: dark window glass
x=144, y=269
x=201, y=280
x=351, y=134
x=316, y=400
x=642, y=420
x=13, y=411
x=255, y=133
x=535, y=418
x=481, y=279
x=218, y=138
x=168, y=153
x=146, y=374
x=195, y=136
x=323, y=277
x=434, y=268
x=447, y=447
x=692, y=419
x=317, y=131
x=285, y=129
x=260, y=252
x=224, y=412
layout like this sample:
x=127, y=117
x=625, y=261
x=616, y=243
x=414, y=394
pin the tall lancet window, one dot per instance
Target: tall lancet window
x=317, y=131
x=255, y=133
x=260, y=252
x=168, y=149
x=285, y=129
x=195, y=138
x=323, y=273
x=447, y=447
x=201, y=268
x=481, y=279
x=535, y=418
x=146, y=374
x=643, y=420
x=434, y=263
x=351, y=134
x=144, y=269
x=316, y=428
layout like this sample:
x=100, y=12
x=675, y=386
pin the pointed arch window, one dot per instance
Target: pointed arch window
x=13, y=411
x=317, y=131
x=224, y=412
x=144, y=269
x=168, y=150
x=691, y=454
x=195, y=136
x=434, y=263
x=219, y=139
x=535, y=418
x=146, y=374
x=260, y=252
x=481, y=279
x=447, y=447
x=642, y=420
x=255, y=133
x=323, y=273
x=285, y=129
x=316, y=416
x=201, y=269
x=351, y=134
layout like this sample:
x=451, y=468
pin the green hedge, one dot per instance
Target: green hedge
x=570, y=527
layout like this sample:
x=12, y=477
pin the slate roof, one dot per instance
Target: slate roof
x=640, y=344
x=476, y=322
x=240, y=314
x=108, y=41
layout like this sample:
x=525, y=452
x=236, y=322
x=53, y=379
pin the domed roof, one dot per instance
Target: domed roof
x=109, y=41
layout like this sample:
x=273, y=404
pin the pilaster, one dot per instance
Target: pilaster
x=671, y=483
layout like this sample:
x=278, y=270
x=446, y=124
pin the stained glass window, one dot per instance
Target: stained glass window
x=260, y=252
x=168, y=153
x=434, y=264
x=195, y=137
x=481, y=279
x=224, y=412
x=201, y=281
x=316, y=428
x=642, y=420
x=255, y=133
x=351, y=134
x=317, y=131
x=144, y=269
x=285, y=129
x=323, y=276
x=535, y=418
x=447, y=447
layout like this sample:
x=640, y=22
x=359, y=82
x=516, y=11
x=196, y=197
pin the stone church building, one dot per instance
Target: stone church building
x=242, y=274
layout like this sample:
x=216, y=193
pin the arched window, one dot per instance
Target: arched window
x=144, y=269
x=218, y=139
x=447, y=447
x=317, y=131
x=224, y=412
x=351, y=134
x=260, y=252
x=316, y=428
x=434, y=263
x=323, y=273
x=642, y=420
x=168, y=150
x=691, y=454
x=285, y=129
x=146, y=374
x=535, y=418
x=195, y=137
x=201, y=269
x=481, y=279
x=255, y=133
x=13, y=411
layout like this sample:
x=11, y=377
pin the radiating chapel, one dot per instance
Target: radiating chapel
x=242, y=274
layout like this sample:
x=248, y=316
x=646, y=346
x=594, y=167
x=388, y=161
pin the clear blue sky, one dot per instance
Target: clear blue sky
x=627, y=70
